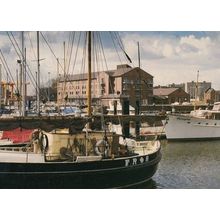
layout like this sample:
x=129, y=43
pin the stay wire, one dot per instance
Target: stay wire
x=74, y=63
x=51, y=50
x=35, y=57
x=112, y=37
x=4, y=63
x=71, y=50
x=19, y=55
x=121, y=45
x=33, y=80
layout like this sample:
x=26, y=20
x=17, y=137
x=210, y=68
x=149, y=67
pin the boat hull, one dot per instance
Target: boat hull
x=117, y=173
x=181, y=127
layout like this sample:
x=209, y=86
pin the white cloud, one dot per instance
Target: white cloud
x=169, y=57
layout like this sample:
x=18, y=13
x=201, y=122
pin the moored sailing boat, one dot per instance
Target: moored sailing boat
x=72, y=158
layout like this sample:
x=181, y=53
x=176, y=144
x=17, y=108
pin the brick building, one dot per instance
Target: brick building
x=170, y=95
x=211, y=95
x=125, y=80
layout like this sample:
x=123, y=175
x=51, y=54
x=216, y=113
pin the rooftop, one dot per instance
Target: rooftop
x=163, y=91
x=121, y=70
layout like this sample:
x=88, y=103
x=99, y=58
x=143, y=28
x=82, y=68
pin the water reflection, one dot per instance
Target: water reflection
x=188, y=165
x=151, y=184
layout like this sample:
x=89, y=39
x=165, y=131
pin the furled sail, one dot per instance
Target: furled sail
x=47, y=124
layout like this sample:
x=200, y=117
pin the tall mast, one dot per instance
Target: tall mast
x=64, y=72
x=38, y=75
x=36, y=90
x=23, y=75
x=0, y=86
x=20, y=87
x=89, y=75
x=58, y=68
x=196, y=90
x=17, y=81
x=139, y=59
x=64, y=58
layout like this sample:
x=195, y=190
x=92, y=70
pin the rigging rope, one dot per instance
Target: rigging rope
x=33, y=80
x=5, y=65
x=51, y=50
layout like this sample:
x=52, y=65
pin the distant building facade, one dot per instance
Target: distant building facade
x=7, y=93
x=211, y=96
x=166, y=95
x=174, y=85
x=202, y=87
x=125, y=80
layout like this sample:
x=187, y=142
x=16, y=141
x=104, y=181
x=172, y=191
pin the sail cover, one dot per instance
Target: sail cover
x=76, y=124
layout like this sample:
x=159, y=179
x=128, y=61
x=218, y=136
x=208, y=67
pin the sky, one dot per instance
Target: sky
x=170, y=56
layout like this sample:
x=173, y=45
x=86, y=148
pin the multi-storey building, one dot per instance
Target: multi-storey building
x=198, y=89
x=134, y=83
x=174, y=85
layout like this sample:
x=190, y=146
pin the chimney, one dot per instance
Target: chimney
x=123, y=66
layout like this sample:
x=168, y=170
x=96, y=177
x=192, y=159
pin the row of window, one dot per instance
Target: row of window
x=200, y=123
x=77, y=93
x=136, y=81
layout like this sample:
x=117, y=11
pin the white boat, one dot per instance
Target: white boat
x=199, y=124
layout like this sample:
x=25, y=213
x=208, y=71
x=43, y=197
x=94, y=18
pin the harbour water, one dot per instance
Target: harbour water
x=187, y=165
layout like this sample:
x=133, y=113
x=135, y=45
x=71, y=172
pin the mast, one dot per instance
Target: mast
x=64, y=57
x=196, y=90
x=38, y=75
x=17, y=81
x=23, y=75
x=0, y=86
x=89, y=75
x=25, y=78
x=48, y=86
x=139, y=59
x=64, y=73
x=58, y=68
x=7, y=89
x=20, y=87
x=36, y=90
x=138, y=100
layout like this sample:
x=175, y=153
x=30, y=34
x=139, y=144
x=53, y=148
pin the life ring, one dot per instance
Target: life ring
x=101, y=147
x=44, y=143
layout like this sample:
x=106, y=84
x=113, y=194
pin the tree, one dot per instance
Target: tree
x=51, y=91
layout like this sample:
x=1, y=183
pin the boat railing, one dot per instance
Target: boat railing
x=147, y=146
x=88, y=158
x=17, y=148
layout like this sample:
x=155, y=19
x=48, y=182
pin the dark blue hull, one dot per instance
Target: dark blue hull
x=117, y=173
